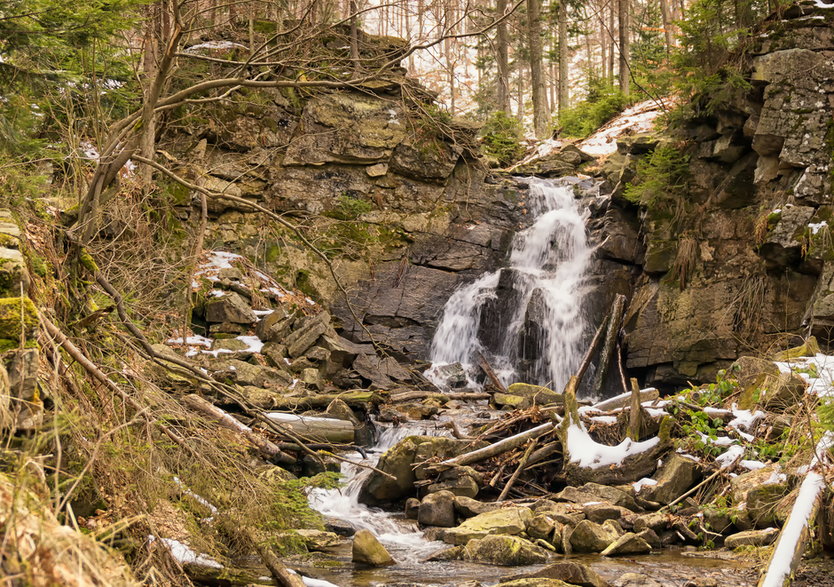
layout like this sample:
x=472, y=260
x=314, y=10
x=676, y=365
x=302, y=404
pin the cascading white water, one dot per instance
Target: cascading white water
x=543, y=283
x=402, y=537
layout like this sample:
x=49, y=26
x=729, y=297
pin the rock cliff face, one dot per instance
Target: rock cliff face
x=394, y=196
x=385, y=186
x=743, y=261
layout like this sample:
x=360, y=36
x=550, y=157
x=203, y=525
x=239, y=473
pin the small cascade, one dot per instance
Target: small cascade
x=400, y=536
x=526, y=317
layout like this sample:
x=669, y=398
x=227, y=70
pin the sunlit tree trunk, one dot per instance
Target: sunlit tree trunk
x=625, y=74
x=541, y=111
x=502, y=58
x=564, y=57
x=667, y=25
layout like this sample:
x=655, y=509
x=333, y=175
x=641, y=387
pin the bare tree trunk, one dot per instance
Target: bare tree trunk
x=610, y=38
x=667, y=26
x=541, y=111
x=354, y=35
x=502, y=58
x=150, y=67
x=564, y=57
x=625, y=73
x=603, y=43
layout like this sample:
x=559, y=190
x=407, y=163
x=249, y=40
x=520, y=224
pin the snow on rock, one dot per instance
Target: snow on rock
x=730, y=456
x=586, y=452
x=184, y=555
x=193, y=340
x=637, y=119
x=745, y=420
x=644, y=482
x=254, y=344
x=818, y=371
x=214, y=45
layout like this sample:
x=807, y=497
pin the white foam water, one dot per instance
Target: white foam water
x=402, y=537
x=548, y=260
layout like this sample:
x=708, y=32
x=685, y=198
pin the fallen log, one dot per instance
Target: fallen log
x=408, y=396
x=624, y=399
x=215, y=414
x=315, y=428
x=352, y=398
x=635, y=411
x=487, y=368
x=499, y=447
x=796, y=532
x=521, y=464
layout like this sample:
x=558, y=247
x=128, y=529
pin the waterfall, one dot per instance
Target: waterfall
x=401, y=537
x=526, y=317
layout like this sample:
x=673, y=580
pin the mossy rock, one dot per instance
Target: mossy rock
x=505, y=551
x=17, y=315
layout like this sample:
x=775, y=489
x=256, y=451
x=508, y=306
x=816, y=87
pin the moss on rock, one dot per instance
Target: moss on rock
x=17, y=315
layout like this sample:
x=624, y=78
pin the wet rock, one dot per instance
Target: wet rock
x=571, y=573
x=544, y=527
x=599, y=512
x=588, y=536
x=452, y=553
x=318, y=540
x=628, y=543
x=231, y=307
x=367, y=550
x=468, y=507
x=462, y=481
x=535, y=582
x=437, y=509
x=412, y=508
x=636, y=580
x=651, y=538
x=340, y=527
x=399, y=461
x=675, y=477
x=504, y=550
x=510, y=520
x=752, y=538
x=453, y=375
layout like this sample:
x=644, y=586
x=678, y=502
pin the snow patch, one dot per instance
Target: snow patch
x=184, y=555
x=645, y=481
x=586, y=452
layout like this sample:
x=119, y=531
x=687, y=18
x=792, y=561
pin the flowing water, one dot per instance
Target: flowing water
x=527, y=317
x=401, y=537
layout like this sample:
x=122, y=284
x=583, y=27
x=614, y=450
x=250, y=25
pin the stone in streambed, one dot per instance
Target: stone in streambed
x=504, y=550
x=752, y=538
x=469, y=508
x=367, y=550
x=588, y=536
x=568, y=572
x=599, y=512
x=535, y=582
x=511, y=520
x=628, y=543
x=464, y=481
x=437, y=509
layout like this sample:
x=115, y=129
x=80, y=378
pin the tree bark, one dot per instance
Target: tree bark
x=541, y=111
x=502, y=59
x=564, y=57
x=667, y=26
x=625, y=73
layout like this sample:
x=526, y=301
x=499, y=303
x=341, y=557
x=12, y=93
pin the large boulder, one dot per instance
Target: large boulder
x=399, y=462
x=500, y=549
x=569, y=572
x=437, y=509
x=762, y=383
x=752, y=538
x=367, y=550
x=229, y=307
x=588, y=536
x=676, y=475
x=594, y=492
x=509, y=520
x=628, y=543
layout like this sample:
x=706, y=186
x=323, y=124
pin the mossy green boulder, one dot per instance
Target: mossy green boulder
x=500, y=549
x=17, y=315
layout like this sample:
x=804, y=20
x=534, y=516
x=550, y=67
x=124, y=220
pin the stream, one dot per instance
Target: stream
x=528, y=318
